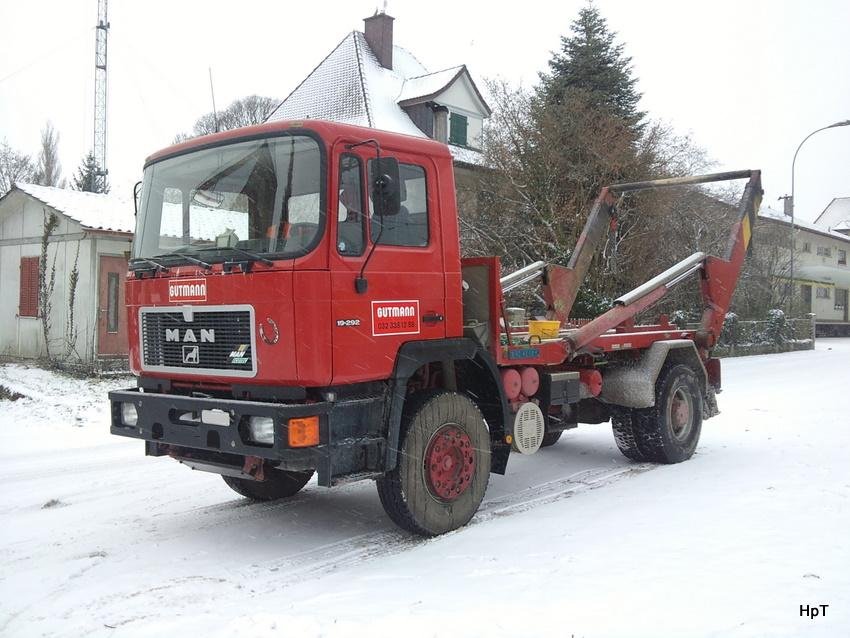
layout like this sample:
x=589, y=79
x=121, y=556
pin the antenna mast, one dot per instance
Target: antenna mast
x=99, y=147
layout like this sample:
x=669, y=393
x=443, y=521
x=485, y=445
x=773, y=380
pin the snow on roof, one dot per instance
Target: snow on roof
x=352, y=87
x=333, y=91
x=765, y=212
x=466, y=155
x=93, y=210
x=835, y=215
x=427, y=85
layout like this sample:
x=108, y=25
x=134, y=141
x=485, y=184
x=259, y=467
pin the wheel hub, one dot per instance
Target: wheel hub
x=680, y=413
x=449, y=463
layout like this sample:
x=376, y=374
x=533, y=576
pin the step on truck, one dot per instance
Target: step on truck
x=298, y=305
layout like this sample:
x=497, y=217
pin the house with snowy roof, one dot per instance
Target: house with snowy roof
x=821, y=271
x=87, y=253
x=836, y=216
x=370, y=81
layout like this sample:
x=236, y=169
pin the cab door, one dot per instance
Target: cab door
x=404, y=299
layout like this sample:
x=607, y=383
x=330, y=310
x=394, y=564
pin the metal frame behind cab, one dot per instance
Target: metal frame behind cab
x=719, y=274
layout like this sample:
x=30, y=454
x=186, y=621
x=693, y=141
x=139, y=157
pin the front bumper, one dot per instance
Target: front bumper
x=173, y=424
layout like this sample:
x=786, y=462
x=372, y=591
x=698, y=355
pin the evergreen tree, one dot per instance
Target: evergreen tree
x=592, y=64
x=87, y=178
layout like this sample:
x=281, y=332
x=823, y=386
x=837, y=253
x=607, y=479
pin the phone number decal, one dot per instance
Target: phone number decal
x=395, y=318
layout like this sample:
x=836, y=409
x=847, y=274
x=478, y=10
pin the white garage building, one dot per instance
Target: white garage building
x=92, y=237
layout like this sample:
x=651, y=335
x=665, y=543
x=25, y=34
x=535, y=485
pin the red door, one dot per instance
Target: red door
x=405, y=299
x=112, y=312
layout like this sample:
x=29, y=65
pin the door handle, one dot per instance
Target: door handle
x=433, y=318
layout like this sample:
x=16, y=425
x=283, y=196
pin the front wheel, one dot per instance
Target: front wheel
x=550, y=438
x=278, y=484
x=443, y=465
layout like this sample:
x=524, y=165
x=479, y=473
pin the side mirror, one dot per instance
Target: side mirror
x=386, y=192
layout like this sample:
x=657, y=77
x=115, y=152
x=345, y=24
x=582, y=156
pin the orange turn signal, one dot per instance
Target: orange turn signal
x=303, y=431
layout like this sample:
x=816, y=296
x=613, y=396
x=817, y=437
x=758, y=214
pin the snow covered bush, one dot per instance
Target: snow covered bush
x=730, y=334
x=777, y=329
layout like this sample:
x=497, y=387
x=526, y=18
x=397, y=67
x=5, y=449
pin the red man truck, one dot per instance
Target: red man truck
x=298, y=304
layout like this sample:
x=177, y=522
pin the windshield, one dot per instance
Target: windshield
x=262, y=196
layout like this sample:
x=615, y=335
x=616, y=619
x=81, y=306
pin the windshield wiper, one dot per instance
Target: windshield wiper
x=191, y=260
x=246, y=253
x=158, y=266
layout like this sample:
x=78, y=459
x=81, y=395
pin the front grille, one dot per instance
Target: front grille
x=212, y=340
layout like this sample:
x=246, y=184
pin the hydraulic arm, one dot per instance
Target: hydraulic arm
x=719, y=275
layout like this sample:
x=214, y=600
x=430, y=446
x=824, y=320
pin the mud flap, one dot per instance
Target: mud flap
x=633, y=386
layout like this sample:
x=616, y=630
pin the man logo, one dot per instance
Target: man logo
x=191, y=355
x=173, y=334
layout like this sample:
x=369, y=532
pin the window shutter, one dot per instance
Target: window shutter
x=457, y=133
x=28, y=302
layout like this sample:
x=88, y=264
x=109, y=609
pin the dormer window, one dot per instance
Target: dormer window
x=458, y=125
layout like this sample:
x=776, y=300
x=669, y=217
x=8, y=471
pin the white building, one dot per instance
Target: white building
x=369, y=81
x=836, y=216
x=92, y=237
x=821, y=272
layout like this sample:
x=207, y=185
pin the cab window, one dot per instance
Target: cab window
x=350, y=238
x=410, y=226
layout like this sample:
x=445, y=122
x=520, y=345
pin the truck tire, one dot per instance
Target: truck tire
x=443, y=465
x=622, y=422
x=550, y=438
x=278, y=484
x=669, y=431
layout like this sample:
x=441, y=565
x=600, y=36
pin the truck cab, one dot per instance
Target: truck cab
x=268, y=231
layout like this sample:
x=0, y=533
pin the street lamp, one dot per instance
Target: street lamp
x=793, y=164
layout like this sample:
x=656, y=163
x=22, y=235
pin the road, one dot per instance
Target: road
x=99, y=540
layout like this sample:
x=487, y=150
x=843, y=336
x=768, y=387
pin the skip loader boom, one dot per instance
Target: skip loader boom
x=298, y=305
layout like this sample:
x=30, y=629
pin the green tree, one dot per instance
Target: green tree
x=591, y=63
x=550, y=150
x=88, y=177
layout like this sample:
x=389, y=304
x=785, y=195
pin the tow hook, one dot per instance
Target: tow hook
x=255, y=468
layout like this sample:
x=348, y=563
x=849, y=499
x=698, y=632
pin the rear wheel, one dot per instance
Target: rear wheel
x=443, y=465
x=669, y=431
x=278, y=484
x=622, y=422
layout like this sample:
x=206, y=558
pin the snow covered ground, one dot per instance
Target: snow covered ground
x=96, y=539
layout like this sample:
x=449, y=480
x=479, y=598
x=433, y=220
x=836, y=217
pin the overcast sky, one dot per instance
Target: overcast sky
x=748, y=80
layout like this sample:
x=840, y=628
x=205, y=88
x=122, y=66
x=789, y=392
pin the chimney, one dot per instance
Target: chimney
x=379, y=36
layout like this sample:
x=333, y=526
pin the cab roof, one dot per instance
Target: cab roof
x=329, y=132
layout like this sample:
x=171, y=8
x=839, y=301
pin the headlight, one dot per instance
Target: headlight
x=129, y=415
x=261, y=429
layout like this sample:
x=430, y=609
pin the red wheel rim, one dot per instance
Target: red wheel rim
x=449, y=463
x=680, y=414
